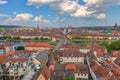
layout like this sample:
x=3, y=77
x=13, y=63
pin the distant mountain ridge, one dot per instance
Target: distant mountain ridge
x=11, y=26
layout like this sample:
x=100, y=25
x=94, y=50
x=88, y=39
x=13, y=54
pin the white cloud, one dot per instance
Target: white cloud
x=4, y=15
x=46, y=21
x=94, y=3
x=100, y=16
x=20, y=17
x=38, y=3
x=15, y=13
x=91, y=8
x=100, y=5
x=59, y=19
x=65, y=7
x=82, y=12
x=77, y=1
x=3, y=2
x=39, y=19
x=69, y=6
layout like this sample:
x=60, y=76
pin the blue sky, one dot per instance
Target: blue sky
x=57, y=13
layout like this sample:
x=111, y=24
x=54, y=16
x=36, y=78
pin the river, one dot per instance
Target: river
x=15, y=43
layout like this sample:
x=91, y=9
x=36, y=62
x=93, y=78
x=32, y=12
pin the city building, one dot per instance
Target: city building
x=7, y=48
x=69, y=71
x=38, y=46
x=102, y=67
x=41, y=59
x=13, y=68
x=70, y=56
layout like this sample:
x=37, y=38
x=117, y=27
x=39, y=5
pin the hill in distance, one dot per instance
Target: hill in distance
x=11, y=26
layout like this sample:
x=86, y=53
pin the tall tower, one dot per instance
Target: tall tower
x=37, y=26
x=115, y=30
x=116, y=27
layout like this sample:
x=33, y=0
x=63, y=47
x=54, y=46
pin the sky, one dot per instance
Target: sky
x=60, y=13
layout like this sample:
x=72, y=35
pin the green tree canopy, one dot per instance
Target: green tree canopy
x=20, y=48
x=113, y=46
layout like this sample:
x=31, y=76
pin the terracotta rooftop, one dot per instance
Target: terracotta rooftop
x=115, y=53
x=46, y=73
x=117, y=61
x=70, y=46
x=71, y=67
x=36, y=44
x=69, y=53
x=8, y=45
x=2, y=47
x=4, y=60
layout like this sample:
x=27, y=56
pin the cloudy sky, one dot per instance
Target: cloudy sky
x=57, y=13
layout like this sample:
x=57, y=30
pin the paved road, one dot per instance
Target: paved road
x=36, y=74
x=59, y=44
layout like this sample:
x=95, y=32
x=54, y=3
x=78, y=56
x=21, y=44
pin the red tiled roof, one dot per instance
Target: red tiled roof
x=69, y=53
x=70, y=46
x=46, y=73
x=2, y=47
x=2, y=56
x=8, y=45
x=89, y=47
x=117, y=61
x=95, y=67
x=99, y=52
x=116, y=72
x=37, y=44
x=70, y=67
x=115, y=53
x=5, y=59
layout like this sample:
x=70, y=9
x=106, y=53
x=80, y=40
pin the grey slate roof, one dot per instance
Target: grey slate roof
x=60, y=75
x=42, y=57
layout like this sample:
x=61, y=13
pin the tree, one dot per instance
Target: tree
x=113, y=46
x=41, y=38
x=16, y=38
x=68, y=79
x=20, y=48
x=107, y=45
x=5, y=37
x=36, y=38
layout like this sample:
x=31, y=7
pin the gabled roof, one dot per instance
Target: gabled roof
x=13, y=60
x=42, y=57
x=68, y=46
x=117, y=61
x=37, y=44
x=69, y=53
x=115, y=53
x=71, y=67
x=2, y=47
x=46, y=73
